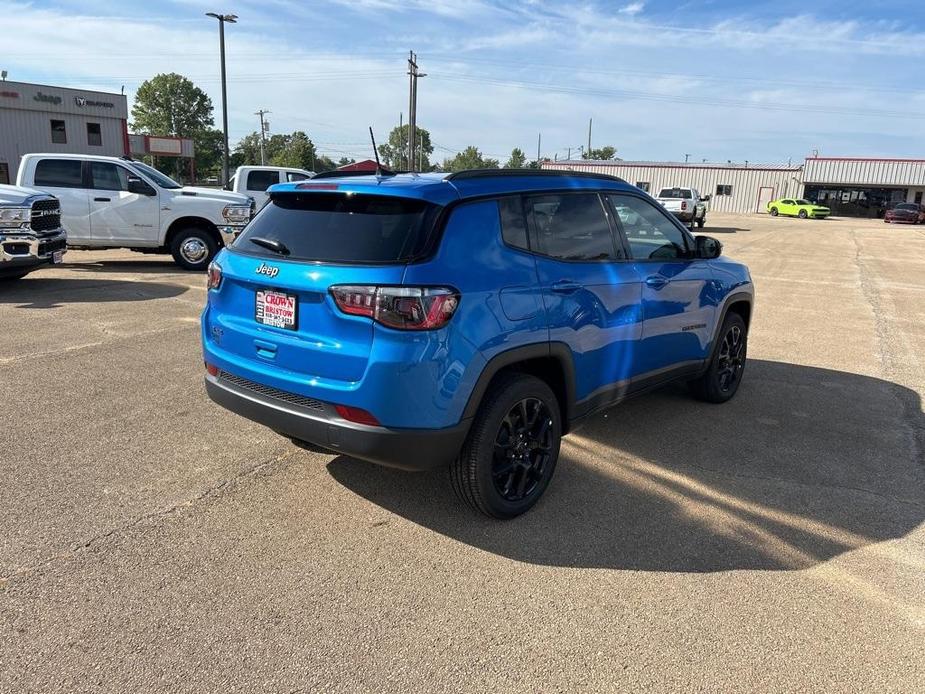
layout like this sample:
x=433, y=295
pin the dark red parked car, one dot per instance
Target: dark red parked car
x=905, y=213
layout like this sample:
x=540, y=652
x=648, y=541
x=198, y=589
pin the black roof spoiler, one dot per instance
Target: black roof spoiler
x=552, y=173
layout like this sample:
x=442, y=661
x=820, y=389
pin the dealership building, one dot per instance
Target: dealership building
x=850, y=186
x=41, y=118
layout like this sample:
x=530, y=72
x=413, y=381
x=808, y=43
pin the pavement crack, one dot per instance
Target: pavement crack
x=208, y=495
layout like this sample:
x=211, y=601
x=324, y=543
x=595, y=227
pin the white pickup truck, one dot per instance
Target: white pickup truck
x=30, y=231
x=110, y=202
x=686, y=204
x=254, y=180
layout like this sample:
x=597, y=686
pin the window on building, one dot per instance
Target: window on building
x=571, y=227
x=58, y=173
x=58, y=132
x=261, y=180
x=94, y=135
x=643, y=186
x=513, y=224
x=650, y=233
x=723, y=189
x=4, y=172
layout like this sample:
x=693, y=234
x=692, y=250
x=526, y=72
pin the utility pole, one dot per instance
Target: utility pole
x=222, y=18
x=413, y=75
x=589, y=138
x=539, y=140
x=400, y=124
x=686, y=157
x=264, y=126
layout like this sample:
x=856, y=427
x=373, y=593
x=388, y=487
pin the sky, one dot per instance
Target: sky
x=743, y=81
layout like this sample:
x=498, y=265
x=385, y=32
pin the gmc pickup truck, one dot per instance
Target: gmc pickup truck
x=110, y=202
x=685, y=204
x=30, y=231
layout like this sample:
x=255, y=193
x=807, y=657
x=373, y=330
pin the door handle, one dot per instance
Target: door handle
x=565, y=287
x=656, y=282
x=102, y=200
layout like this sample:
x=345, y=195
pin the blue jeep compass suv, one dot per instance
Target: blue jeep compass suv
x=467, y=320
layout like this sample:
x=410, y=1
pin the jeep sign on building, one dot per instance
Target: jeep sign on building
x=39, y=118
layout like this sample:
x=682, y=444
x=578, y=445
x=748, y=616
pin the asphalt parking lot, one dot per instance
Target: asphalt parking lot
x=154, y=542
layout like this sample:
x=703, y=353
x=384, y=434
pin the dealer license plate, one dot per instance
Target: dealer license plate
x=277, y=309
x=57, y=257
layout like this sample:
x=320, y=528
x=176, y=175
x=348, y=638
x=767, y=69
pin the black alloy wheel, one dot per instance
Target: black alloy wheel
x=523, y=447
x=731, y=359
x=803, y=214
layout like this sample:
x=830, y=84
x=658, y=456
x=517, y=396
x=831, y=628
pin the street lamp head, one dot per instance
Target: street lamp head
x=232, y=18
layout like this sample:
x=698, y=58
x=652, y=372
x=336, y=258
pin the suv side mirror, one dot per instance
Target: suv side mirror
x=136, y=185
x=708, y=247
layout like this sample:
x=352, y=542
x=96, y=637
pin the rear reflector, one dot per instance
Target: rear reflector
x=211, y=369
x=317, y=186
x=357, y=415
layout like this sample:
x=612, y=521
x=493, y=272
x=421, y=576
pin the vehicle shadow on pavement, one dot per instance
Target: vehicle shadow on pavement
x=50, y=292
x=803, y=465
x=720, y=230
x=163, y=264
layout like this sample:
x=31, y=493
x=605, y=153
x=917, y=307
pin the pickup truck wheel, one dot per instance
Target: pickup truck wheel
x=701, y=222
x=193, y=248
x=722, y=378
x=510, y=454
x=773, y=211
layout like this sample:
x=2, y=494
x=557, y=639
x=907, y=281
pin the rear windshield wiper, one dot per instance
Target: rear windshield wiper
x=270, y=244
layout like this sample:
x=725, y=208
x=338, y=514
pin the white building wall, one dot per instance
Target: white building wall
x=746, y=182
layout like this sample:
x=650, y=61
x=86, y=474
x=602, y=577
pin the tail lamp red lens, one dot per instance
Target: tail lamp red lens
x=211, y=369
x=403, y=308
x=683, y=205
x=357, y=415
x=214, y=276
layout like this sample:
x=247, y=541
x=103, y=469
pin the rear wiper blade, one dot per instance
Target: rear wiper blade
x=270, y=244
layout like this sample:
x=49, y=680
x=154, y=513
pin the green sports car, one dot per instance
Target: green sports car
x=793, y=207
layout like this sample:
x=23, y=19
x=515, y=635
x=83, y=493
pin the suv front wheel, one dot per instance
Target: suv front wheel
x=510, y=454
x=722, y=378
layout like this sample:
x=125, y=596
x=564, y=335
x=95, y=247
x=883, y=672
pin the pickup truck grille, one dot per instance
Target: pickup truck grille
x=46, y=215
x=276, y=393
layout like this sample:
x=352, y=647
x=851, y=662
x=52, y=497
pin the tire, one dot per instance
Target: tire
x=506, y=480
x=802, y=214
x=701, y=222
x=193, y=248
x=723, y=376
x=773, y=211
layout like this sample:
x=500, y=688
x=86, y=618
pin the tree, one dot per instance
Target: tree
x=518, y=159
x=346, y=161
x=208, y=145
x=469, y=158
x=171, y=105
x=602, y=154
x=394, y=153
x=296, y=150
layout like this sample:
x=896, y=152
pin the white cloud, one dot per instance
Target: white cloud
x=633, y=8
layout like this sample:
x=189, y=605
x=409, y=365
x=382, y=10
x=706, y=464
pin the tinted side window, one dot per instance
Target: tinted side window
x=294, y=176
x=513, y=224
x=107, y=176
x=261, y=180
x=571, y=226
x=651, y=235
x=58, y=173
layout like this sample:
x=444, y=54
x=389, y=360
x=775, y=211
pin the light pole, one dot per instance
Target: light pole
x=222, y=18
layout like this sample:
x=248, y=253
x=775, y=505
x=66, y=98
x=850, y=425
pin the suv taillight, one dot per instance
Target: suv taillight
x=683, y=205
x=404, y=308
x=214, y=278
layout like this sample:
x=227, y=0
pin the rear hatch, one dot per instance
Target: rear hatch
x=274, y=306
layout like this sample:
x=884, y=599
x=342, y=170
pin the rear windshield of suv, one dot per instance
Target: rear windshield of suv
x=340, y=228
x=678, y=193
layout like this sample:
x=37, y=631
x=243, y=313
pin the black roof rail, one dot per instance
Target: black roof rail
x=334, y=173
x=491, y=173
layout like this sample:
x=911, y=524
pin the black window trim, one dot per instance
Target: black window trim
x=685, y=233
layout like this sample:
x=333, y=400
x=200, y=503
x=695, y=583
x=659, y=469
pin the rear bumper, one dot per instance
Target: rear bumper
x=318, y=423
x=685, y=216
